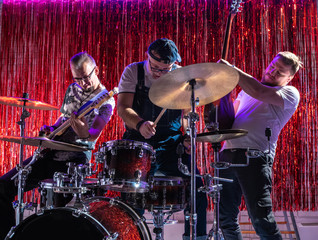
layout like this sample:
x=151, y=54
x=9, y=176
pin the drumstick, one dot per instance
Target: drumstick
x=159, y=116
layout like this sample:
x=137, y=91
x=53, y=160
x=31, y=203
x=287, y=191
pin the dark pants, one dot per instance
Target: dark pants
x=43, y=168
x=255, y=183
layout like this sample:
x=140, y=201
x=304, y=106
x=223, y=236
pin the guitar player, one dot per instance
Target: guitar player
x=85, y=130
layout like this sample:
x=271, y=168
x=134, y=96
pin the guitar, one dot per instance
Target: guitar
x=95, y=102
x=225, y=108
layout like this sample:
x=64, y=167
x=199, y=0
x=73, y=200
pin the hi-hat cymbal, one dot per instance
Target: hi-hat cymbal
x=221, y=135
x=29, y=103
x=213, y=81
x=43, y=142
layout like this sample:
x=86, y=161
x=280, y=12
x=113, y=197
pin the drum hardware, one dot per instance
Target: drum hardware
x=23, y=172
x=159, y=221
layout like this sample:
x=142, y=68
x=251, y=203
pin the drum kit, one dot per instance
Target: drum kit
x=83, y=212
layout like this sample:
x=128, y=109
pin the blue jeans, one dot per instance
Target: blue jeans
x=254, y=182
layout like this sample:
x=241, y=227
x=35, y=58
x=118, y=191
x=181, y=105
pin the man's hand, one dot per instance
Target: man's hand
x=147, y=129
x=79, y=126
x=46, y=129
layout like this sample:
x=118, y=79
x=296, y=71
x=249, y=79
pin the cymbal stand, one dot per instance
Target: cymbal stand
x=22, y=172
x=215, y=194
x=192, y=118
x=159, y=222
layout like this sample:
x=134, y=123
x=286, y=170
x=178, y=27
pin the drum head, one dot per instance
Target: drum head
x=59, y=224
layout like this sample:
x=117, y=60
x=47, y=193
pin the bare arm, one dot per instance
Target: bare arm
x=256, y=89
x=131, y=118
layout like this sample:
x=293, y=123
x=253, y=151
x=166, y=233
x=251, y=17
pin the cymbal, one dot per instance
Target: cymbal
x=213, y=81
x=43, y=142
x=29, y=103
x=221, y=135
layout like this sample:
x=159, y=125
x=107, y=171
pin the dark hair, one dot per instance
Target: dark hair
x=290, y=59
x=78, y=60
x=166, y=50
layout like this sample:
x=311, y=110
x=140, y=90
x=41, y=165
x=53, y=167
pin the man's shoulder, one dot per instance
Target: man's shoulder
x=134, y=65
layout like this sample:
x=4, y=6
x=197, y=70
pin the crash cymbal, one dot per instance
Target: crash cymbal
x=29, y=103
x=43, y=142
x=213, y=81
x=221, y=135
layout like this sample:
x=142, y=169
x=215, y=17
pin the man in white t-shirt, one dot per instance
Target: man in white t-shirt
x=259, y=107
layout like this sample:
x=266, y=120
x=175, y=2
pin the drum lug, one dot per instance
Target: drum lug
x=113, y=151
x=153, y=158
x=137, y=176
x=111, y=173
x=77, y=213
x=114, y=236
x=141, y=153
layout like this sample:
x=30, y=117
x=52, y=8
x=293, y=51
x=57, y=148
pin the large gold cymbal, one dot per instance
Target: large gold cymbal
x=29, y=103
x=213, y=81
x=43, y=142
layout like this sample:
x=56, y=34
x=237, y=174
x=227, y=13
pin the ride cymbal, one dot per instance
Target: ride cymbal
x=212, y=82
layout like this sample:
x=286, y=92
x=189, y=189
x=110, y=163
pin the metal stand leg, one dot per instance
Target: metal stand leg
x=193, y=117
x=22, y=172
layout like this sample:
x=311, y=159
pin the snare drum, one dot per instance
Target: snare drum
x=102, y=218
x=127, y=165
x=165, y=193
x=58, y=196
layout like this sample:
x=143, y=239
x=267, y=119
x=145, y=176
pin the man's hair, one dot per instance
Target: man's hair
x=79, y=59
x=292, y=60
x=166, y=49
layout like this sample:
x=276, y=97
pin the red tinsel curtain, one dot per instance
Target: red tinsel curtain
x=37, y=39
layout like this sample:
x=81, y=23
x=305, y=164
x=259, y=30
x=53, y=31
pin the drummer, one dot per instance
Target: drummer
x=86, y=131
x=139, y=114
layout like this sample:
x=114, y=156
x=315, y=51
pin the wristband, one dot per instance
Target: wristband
x=139, y=124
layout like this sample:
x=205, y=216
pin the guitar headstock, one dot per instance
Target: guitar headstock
x=235, y=7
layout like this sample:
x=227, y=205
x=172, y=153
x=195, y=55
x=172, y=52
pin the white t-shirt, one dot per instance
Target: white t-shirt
x=129, y=78
x=255, y=116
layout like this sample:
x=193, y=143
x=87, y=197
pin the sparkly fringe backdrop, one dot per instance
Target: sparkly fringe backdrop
x=37, y=38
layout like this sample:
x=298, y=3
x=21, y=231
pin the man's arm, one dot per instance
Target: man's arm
x=256, y=89
x=131, y=118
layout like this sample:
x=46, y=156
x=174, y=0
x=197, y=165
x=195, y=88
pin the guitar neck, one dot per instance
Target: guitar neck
x=225, y=48
x=95, y=102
